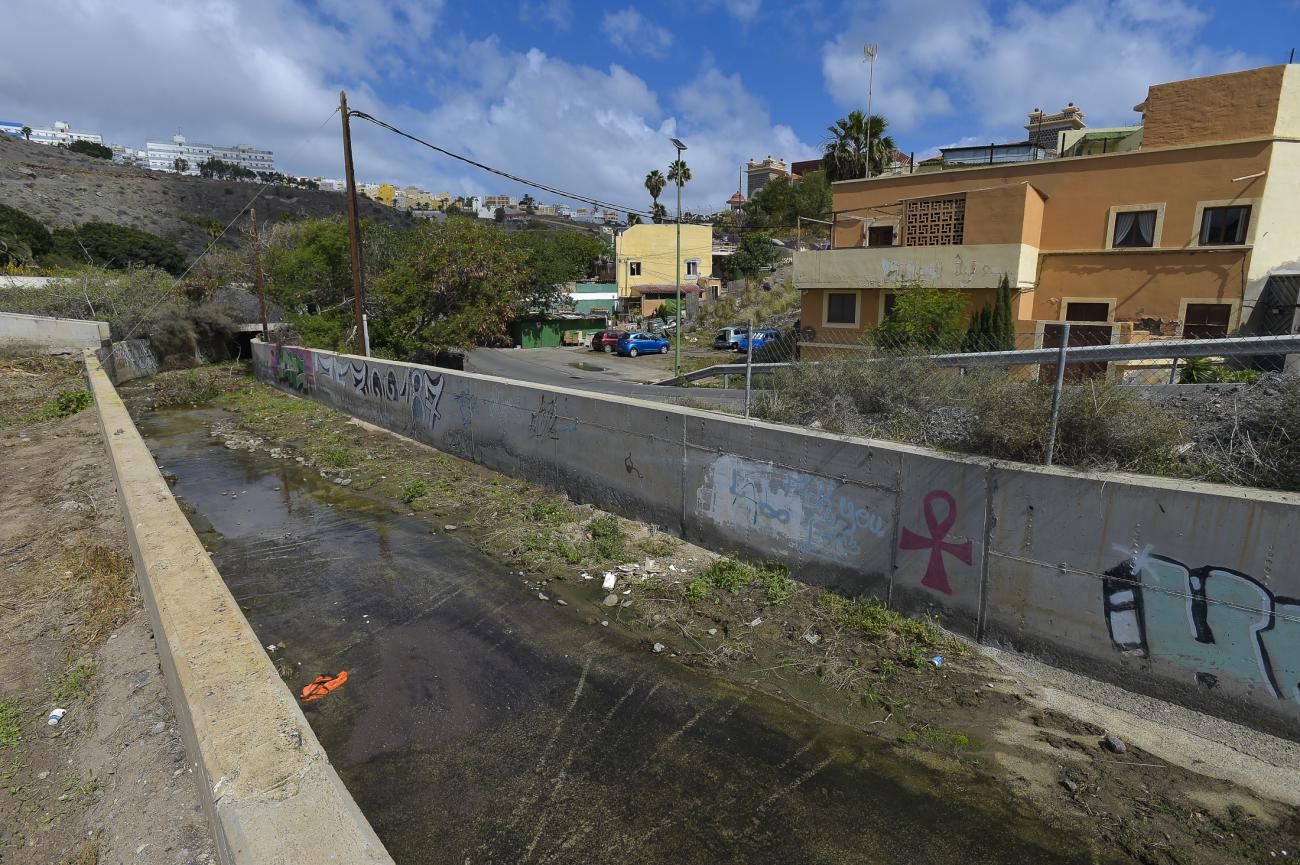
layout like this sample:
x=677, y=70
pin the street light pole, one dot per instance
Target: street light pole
x=869, y=52
x=677, y=354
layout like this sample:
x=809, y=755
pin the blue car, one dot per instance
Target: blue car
x=632, y=344
x=761, y=338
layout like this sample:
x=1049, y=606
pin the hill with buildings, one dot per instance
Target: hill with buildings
x=64, y=189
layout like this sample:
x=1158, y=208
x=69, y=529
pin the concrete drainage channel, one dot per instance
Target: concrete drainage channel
x=269, y=790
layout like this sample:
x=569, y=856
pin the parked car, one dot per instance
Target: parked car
x=725, y=339
x=641, y=342
x=606, y=339
x=760, y=337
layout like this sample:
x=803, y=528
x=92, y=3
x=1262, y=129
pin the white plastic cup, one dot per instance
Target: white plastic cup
x=55, y=717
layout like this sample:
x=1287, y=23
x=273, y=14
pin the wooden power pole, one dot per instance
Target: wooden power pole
x=257, y=273
x=354, y=225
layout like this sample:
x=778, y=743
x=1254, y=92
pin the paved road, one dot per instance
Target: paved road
x=584, y=369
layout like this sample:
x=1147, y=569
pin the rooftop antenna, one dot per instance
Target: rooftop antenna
x=869, y=57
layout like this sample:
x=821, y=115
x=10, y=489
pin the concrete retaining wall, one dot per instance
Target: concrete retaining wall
x=129, y=359
x=1186, y=591
x=34, y=333
x=271, y=795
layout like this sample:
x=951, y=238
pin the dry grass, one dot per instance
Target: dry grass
x=110, y=575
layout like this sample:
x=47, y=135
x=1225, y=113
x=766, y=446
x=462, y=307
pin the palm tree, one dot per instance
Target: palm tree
x=27, y=133
x=655, y=183
x=679, y=173
x=856, y=141
x=658, y=213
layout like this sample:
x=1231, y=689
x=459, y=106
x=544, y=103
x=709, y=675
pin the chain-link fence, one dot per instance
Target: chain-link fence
x=1219, y=410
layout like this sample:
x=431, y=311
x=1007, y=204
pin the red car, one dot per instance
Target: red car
x=606, y=340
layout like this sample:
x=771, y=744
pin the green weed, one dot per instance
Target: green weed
x=74, y=684
x=696, y=590
x=72, y=401
x=951, y=739
x=416, y=489
x=338, y=457
x=11, y=732
x=729, y=574
x=732, y=575
x=547, y=512
x=607, y=540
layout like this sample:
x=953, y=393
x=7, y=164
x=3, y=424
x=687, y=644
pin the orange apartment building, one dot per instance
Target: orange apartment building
x=1192, y=231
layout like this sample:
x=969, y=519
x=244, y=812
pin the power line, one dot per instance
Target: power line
x=596, y=202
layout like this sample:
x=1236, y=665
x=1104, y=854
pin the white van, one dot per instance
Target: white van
x=725, y=339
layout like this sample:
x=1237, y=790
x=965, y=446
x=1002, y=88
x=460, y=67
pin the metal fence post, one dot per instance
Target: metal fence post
x=749, y=364
x=1173, y=372
x=1056, y=394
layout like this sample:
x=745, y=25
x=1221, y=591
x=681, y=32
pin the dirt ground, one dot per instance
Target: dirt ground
x=953, y=707
x=109, y=784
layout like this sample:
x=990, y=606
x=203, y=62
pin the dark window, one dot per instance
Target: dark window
x=890, y=300
x=1087, y=312
x=1134, y=228
x=634, y=268
x=1224, y=226
x=1207, y=320
x=842, y=309
x=880, y=235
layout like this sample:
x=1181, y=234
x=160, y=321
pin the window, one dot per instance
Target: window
x=880, y=235
x=634, y=268
x=842, y=308
x=890, y=300
x=1207, y=320
x=1084, y=311
x=1134, y=228
x=693, y=267
x=1224, y=226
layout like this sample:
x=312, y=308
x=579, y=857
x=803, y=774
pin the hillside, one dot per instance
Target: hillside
x=63, y=189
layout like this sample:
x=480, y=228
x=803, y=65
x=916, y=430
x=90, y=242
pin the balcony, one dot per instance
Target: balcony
x=969, y=266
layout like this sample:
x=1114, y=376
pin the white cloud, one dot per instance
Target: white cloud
x=557, y=13
x=954, y=60
x=631, y=31
x=223, y=72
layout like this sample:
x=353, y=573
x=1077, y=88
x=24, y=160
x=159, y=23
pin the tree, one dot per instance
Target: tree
x=856, y=141
x=27, y=133
x=654, y=184
x=22, y=238
x=754, y=252
x=500, y=214
x=462, y=284
x=783, y=200
x=679, y=173
x=924, y=319
x=556, y=257
x=117, y=246
x=658, y=213
x=668, y=309
x=1002, y=323
x=979, y=332
x=90, y=148
x=181, y=164
x=633, y=219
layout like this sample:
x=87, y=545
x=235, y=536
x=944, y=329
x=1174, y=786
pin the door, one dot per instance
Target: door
x=1206, y=320
x=1080, y=335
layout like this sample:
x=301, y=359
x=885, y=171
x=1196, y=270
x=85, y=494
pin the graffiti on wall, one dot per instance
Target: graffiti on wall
x=936, y=572
x=294, y=367
x=545, y=421
x=813, y=515
x=420, y=390
x=1214, y=621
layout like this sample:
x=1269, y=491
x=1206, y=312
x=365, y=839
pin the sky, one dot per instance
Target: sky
x=585, y=96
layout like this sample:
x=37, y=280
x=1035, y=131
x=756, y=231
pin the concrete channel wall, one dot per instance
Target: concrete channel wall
x=271, y=795
x=1187, y=591
x=127, y=360
x=36, y=333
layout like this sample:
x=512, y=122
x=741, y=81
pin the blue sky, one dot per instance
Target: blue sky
x=584, y=95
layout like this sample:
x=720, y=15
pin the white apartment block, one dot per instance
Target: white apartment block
x=162, y=156
x=61, y=133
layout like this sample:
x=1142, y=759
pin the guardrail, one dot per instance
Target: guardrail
x=1183, y=348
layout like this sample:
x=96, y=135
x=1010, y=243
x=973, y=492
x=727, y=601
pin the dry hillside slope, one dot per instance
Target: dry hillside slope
x=64, y=189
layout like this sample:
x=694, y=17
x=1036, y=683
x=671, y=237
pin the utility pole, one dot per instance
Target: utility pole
x=677, y=343
x=870, y=51
x=257, y=272
x=354, y=227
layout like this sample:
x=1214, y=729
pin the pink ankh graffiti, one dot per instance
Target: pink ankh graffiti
x=936, y=575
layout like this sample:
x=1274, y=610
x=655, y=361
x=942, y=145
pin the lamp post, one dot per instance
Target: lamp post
x=677, y=353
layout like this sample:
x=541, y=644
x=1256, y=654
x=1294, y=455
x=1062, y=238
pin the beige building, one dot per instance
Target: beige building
x=1192, y=229
x=646, y=265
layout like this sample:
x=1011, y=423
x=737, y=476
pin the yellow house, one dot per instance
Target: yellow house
x=1186, y=226
x=646, y=264
x=387, y=194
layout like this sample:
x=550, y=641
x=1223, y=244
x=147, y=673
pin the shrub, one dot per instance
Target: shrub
x=606, y=537
x=117, y=246
x=90, y=148
x=416, y=489
x=22, y=238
